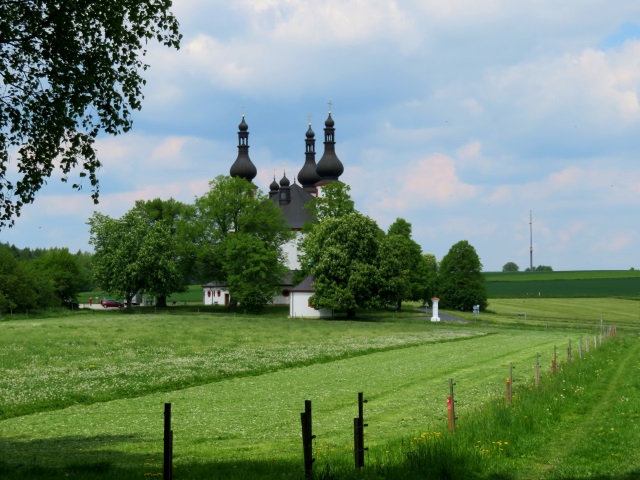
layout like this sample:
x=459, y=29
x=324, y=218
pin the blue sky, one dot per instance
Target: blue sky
x=459, y=116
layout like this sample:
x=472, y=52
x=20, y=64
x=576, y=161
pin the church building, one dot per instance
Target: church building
x=290, y=198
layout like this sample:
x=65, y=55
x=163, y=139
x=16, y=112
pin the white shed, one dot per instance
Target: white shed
x=216, y=293
x=299, y=305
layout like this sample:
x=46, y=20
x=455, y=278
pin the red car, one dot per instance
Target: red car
x=111, y=303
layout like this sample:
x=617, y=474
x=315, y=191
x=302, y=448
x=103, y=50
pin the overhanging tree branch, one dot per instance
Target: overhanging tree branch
x=68, y=71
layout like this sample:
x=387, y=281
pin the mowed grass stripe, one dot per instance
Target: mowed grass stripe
x=601, y=433
x=51, y=364
x=585, y=313
x=258, y=417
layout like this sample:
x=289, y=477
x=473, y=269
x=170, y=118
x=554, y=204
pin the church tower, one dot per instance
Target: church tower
x=308, y=176
x=243, y=167
x=329, y=167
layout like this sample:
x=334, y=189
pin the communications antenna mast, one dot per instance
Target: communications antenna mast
x=531, y=240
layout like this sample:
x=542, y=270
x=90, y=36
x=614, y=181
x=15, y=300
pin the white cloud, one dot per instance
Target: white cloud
x=328, y=23
x=430, y=181
x=590, y=88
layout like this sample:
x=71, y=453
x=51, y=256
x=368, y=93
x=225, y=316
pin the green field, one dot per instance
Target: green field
x=596, y=283
x=82, y=396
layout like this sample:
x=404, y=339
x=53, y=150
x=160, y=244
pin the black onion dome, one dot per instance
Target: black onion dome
x=310, y=133
x=274, y=187
x=329, y=167
x=329, y=121
x=308, y=175
x=243, y=167
x=284, y=181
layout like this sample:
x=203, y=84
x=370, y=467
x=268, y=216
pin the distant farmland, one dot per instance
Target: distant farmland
x=571, y=284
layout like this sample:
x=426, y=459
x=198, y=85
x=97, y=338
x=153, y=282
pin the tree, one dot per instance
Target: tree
x=86, y=264
x=175, y=216
x=510, y=267
x=540, y=268
x=342, y=255
x=70, y=70
x=335, y=201
x=400, y=227
x=234, y=207
x=132, y=256
x=399, y=266
x=253, y=271
x=428, y=277
x=22, y=287
x=65, y=271
x=460, y=279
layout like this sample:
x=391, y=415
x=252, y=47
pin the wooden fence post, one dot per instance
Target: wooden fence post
x=586, y=344
x=358, y=433
x=307, y=439
x=580, y=348
x=451, y=409
x=510, y=384
x=168, y=444
x=537, y=370
x=553, y=361
x=569, y=352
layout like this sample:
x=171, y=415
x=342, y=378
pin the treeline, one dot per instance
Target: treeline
x=41, y=278
x=236, y=235
x=355, y=265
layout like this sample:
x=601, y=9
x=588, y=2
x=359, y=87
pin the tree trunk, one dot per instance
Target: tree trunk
x=351, y=313
x=161, y=301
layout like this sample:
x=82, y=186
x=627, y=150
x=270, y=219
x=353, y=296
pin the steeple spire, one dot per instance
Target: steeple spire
x=243, y=167
x=329, y=167
x=307, y=175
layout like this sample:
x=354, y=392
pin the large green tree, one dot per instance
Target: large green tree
x=428, y=277
x=68, y=71
x=235, y=207
x=22, y=287
x=399, y=266
x=460, y=280
x=342, y=255
x=252, y=269
x=65, y=271
x=176, y=217
x=132, y=255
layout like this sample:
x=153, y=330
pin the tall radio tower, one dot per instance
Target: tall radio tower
x=530, y=240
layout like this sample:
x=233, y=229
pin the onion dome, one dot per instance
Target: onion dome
x=274, y=187
x=243, y=167
x=329, y=167
x=307, y=175
x=329, y=121
x=284, y=181
x=310, y=133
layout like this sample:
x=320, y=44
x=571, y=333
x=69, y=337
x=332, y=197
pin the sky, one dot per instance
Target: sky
x=464, y=117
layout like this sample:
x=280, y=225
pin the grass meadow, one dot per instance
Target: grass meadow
x=82, y=394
